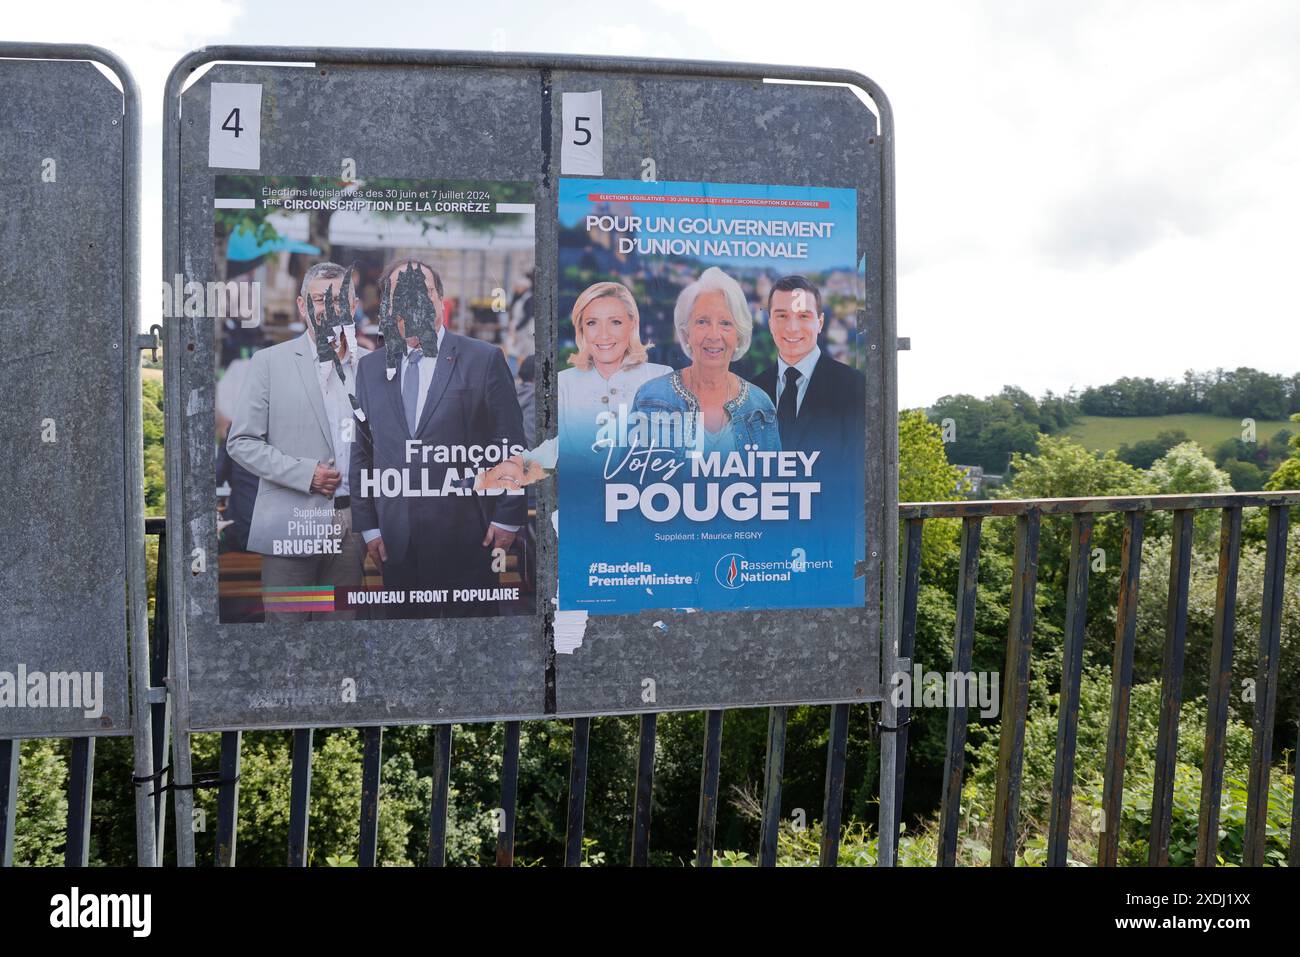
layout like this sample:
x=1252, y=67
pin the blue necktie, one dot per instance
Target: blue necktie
x=411, y=389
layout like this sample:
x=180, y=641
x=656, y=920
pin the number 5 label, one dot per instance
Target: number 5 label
x=582, y=149
x=235, y=126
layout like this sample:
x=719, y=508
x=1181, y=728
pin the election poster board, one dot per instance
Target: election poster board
x=520, y=539
x=689, y=477
x=716, y=546
x=347, y=472
x=70, y=432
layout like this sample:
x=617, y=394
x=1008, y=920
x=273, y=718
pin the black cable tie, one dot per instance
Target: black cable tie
x=139, y=779
x=884, y=727
x=204, y=779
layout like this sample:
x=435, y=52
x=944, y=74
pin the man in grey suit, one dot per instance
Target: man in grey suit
x=293, y=428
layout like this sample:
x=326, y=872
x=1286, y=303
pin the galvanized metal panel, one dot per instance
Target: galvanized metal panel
x=720, y=130
x=482, y=124
x=66, y=344
x=496, y=117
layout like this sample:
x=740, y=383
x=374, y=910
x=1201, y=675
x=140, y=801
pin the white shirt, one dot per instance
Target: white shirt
x=585, y=393
x=805, y=367
x=424, y=369
x=338, y=409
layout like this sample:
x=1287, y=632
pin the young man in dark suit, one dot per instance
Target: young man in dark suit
x=820, y=403
x=461, y=396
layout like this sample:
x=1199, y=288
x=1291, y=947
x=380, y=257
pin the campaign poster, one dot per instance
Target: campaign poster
x=376, y=360
x=711, y=397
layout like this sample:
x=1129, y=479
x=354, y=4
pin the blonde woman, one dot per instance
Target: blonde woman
x=610, y=364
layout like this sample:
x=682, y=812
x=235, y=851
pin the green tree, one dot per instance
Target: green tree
x=39, y=830
x=1143, y=453
x=924, y=475
x=1064, y=469
x=1186, y=470
x=1287, y=476
x=151, y=401
x=1245, y=476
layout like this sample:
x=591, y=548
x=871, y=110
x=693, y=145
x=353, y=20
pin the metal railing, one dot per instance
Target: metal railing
x=1028, y=515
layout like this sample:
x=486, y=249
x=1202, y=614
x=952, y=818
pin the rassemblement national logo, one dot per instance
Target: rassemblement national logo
x=727, y=571
x=734, y=570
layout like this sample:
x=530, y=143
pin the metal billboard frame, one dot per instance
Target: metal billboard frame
x=142, y=695
x=172, y=265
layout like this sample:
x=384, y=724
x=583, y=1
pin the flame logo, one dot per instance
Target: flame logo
x=727, y=570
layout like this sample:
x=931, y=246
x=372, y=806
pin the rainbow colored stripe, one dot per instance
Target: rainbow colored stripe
x=300, y=598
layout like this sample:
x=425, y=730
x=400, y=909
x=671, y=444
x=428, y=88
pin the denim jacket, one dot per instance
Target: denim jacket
x=751, y=415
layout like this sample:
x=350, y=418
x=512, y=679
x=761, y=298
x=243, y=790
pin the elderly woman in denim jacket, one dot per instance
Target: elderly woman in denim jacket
x=720, y=411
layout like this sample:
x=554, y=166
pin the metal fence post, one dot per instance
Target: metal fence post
x=441, y=787
x=81, y=787
x=9, y=752
x=509, y=797
x=962, y=646
x=710, y=771
x=1067, y=725
x=1171, y=689
x=160, y=711
x=1121, y=685
x=371, y=772
x=228, y=798
x=1220, y=688
x=836, y=755
x=1015, y=694
x=1270, y=636
x=577, y=793
x=774, y=767
x=300, y=796
x=645, y=778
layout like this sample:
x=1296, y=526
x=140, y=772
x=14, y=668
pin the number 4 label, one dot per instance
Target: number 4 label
x=582, y=151
x=235, y=126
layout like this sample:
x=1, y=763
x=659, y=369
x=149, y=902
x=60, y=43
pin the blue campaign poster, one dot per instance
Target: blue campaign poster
x=711, y=399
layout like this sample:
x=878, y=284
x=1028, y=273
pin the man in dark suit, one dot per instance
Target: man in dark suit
x=820, y=403
x=435, y=407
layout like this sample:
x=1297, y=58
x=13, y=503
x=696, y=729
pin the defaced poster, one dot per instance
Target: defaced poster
x=378, y=363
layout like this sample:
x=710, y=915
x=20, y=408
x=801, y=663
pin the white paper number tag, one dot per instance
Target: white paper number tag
x=235, y=126
x=582, y=152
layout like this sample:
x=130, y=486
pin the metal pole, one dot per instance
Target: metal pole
x=81, y=787
x=509, y=788
x=372, y=766
x=577, y=793
x=9, y=750
x=228, y=798
x=710, y=771
x=300, y=797
x=773, y=770
x=438, y=806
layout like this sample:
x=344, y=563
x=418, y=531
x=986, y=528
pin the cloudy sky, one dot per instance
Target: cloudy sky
x=1112, y=189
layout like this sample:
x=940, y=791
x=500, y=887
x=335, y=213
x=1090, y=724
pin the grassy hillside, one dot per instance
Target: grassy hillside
x=1102, y=433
